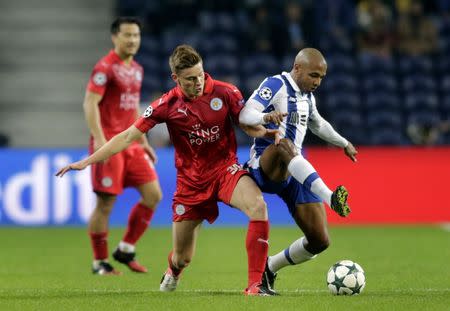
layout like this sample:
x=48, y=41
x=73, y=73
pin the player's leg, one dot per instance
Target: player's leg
x=312, y=220
x=184, y=236
x=138, y=222
x=309, y=213
x=139, y=173
x=278, y=161
x=98, y=232
x=247, y=197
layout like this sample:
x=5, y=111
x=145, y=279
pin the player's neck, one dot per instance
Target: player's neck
x=127, y=59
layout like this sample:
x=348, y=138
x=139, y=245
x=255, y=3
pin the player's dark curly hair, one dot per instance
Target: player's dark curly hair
x=184, y=56
x=115, y=26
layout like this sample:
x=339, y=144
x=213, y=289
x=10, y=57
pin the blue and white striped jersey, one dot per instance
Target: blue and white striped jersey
x=281, y=93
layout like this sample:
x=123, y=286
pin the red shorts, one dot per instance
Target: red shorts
x=130, y=168
x=192, y=203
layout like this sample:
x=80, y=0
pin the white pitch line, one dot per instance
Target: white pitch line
x=118, y=291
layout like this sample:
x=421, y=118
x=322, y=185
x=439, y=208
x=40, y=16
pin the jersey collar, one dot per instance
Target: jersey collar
x=291, y=81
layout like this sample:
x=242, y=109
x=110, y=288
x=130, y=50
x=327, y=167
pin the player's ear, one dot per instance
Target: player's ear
x=174, y=77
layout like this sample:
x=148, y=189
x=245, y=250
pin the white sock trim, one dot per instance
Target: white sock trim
x=127, y=247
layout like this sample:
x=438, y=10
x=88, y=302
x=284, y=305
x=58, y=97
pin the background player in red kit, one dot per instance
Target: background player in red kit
x=199, y=113
x=111, y=105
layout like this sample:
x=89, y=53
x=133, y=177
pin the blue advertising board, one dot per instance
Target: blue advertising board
x=30, y=194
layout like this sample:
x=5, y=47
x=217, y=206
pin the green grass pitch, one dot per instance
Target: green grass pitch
x=407, y=268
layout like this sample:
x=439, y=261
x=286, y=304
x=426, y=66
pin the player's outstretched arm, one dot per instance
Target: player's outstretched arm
x=260, y=131
x=250, y=115
x=118, y=143
x=351, y=152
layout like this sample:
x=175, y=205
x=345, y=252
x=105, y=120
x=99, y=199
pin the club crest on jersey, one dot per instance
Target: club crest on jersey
x=138, y=75
x=99, y=79
x=148, y=112
x=107, y=182
x=180, y=209
x=265, y=93
x=216, y=104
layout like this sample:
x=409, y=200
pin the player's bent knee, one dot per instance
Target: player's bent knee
x=258, y=210
x=152, y=200
x=319, y=244
x=287, y=149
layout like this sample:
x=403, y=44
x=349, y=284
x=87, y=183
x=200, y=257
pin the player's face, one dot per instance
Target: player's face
x=309, y=76
x=191, y=80
x=127, y=40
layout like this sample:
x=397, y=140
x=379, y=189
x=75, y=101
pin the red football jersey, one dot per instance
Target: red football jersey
x=120, y=86
x=201, y=129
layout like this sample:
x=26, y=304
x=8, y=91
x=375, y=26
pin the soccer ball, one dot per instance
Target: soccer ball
x=346, y=277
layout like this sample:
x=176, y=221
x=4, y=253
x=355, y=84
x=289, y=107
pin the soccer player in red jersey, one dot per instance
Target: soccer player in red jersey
x=199, y=113
x=111, y=105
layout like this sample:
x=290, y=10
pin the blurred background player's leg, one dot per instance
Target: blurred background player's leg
x=98, y=232
x=138, y=221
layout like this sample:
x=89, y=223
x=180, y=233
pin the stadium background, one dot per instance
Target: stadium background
x=387, y=90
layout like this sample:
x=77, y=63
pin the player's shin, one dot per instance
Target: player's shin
x=293, y=255
x=138, y=222
x=257, y=245
x=99, y=243
x=305, y=173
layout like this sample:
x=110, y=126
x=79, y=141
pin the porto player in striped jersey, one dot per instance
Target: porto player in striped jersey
x=111, y=105
x=281, y=168
x=199, y=113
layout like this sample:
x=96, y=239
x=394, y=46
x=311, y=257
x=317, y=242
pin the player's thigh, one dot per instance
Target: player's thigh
x=184, y=235
x=275, y=159
x=248, y=198
x=150, y=193
x=312, y=220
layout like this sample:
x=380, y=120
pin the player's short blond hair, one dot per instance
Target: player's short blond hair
x=184, y=56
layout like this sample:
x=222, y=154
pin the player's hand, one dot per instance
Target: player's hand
x=273, y=133
x=150, y=152
x=76, y=166
x=351, y=152
x=274, y=117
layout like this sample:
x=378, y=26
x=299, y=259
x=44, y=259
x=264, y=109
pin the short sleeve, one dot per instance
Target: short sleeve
x=155, y=113
x=236, y=103
x=99, y=79
x=267, y=91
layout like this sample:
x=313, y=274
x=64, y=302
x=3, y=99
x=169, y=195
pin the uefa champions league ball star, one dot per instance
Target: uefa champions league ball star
x=346, y=278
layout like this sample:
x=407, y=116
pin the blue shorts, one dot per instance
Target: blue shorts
x=290, y=191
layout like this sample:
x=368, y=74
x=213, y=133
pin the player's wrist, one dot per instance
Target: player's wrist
x=264, y=118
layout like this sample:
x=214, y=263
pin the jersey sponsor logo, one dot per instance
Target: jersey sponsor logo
x=201, y=135
x=129, y=101
x=265, y=93
x=99, y=79
x=216, y=104
x=148, y=112
x=180, y=209
x=107, y=182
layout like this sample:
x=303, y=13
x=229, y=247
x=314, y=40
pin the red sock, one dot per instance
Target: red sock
x=257, y=245
x=99, y=243
x=138, y=222
x=176, y=271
